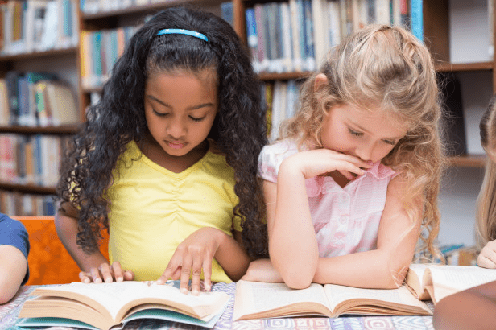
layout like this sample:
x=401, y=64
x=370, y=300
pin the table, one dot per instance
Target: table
x=10, y=311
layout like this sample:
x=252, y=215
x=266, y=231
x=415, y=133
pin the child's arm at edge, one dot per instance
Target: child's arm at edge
x=13, y=268
x=470, y=309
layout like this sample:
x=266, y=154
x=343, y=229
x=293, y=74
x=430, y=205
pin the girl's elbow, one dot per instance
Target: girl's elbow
x=298, y=279
x=297, y=283
x=395, y=276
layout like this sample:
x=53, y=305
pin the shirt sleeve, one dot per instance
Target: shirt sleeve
x=14, y=233
x=271, y=157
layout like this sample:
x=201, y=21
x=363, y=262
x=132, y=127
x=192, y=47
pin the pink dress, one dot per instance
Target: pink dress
x=346, y=220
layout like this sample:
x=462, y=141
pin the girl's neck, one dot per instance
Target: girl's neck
x=176, y=164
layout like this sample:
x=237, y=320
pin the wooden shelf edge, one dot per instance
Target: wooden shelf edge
x=267, y=76
x=136, y=9
x=31, y=55
x=27, y=188
x=467, y=161
x=478, y=66
x=59, y=130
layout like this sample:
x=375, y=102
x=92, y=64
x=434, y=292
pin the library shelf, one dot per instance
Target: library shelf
x=459, y=67
x=27, y=188
x=29, y=130
x=34, y=55
x=467, y=161
x=140, y=9
x=268, y=76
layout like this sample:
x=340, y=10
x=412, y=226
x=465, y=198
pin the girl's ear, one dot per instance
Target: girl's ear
x=320, y=80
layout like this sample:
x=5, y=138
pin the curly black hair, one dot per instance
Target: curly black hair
x=239, y=128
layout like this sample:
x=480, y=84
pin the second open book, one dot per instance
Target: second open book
x=256, y=300
x=436, y=281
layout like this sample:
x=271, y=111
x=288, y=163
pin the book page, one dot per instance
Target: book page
x=415, y=280
x=118, y=297
x=446, y=280
x=351, y=297
x=255, y=298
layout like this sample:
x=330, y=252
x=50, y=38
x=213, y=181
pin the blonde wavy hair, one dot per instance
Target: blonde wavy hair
x=486, y=201
x=384, y=67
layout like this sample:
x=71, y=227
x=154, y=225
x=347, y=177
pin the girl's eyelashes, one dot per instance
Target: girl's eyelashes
x=160, y=114
x=356, y=133
x=165, y=114
x=391, y=142
x=197, y=119
x=353, y=132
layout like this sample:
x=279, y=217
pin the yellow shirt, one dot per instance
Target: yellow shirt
x=152, y=210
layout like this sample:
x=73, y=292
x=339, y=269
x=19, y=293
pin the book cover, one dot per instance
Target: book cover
x=417, y=19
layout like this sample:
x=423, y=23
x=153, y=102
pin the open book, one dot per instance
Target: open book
x=438, y=281
x=105, y=305
x=255, y=300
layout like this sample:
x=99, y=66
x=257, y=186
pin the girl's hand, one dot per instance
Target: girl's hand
x=261, y=270
x=321, y=161
x=192, y=255
x=107, y=273
x=487, y=257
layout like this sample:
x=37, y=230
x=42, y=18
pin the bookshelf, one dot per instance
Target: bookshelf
x=66, y=62
x=437, y=36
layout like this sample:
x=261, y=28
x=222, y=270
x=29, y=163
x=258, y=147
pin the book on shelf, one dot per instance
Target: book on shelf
x=99, y=52
x=256, y=300
x=105, y=305
x=56, y=103
x=38, y=25
x=438, y=281
x=4, y=104
x=417, y=19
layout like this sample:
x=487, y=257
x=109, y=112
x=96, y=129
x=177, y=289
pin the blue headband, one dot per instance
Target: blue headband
x=182, y=31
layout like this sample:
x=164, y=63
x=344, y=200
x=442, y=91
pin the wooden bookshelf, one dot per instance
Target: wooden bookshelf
x=40, y=54
x=268, y=76
x=460, y=67
x=58, y=130
x=27, y=188
x=143, y=9
x=468, y=161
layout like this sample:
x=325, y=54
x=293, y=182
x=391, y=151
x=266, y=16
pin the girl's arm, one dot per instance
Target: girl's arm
x=386, y=266
x=94, y=266
x=293, y=245
x=13, y=268
x=470, y=309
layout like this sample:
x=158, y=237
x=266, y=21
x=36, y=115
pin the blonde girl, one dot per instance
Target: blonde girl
x=354, y=179
x=486, y=210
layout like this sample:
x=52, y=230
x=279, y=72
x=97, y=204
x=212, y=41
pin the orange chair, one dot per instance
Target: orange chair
x=49, y=262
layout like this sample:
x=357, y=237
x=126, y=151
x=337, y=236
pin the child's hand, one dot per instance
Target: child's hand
x=261, y=270
x=107, y=273
x=192, y=255
x=487, y=257
x=321, y=161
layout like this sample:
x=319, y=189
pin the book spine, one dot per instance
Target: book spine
x=252, y=37
x=417, y=18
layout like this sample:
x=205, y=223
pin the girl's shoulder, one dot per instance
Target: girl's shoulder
x=272, y=156
x=283, y=148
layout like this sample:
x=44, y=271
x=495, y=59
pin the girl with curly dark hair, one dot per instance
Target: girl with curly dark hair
x=167, y=160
